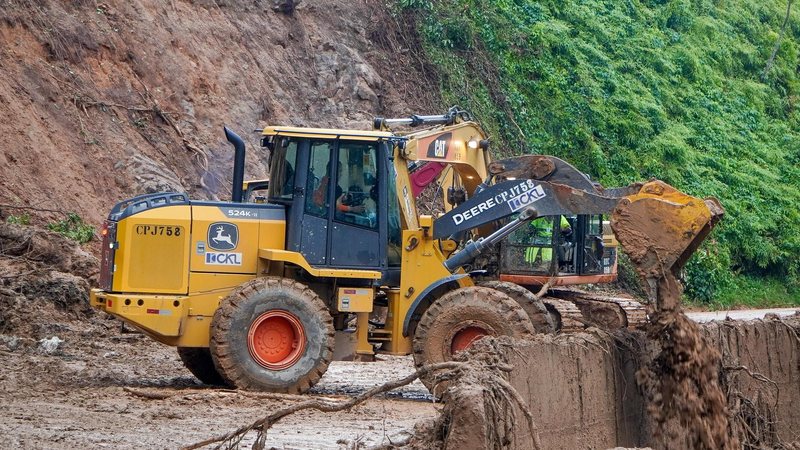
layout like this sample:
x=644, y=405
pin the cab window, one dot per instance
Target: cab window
x=284, y=162
x=319, y=178
x=356, y=185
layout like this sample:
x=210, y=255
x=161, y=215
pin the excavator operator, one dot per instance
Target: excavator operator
x=541, y=252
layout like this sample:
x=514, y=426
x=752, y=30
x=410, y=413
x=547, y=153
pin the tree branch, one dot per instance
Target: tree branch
x=327, y=406
x=777, y=47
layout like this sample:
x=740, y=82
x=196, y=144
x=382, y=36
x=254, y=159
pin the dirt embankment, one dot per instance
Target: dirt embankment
x=44, y=284
x=100, y=101
x=583, y=393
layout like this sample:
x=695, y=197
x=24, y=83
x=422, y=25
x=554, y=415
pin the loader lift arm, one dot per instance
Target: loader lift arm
x=658, y=226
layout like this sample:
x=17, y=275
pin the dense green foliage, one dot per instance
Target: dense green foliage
x=629, y=90
x=74, y=228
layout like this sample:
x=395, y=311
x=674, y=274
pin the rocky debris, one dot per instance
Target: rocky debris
x=50, y=345
x=285, y=6
x=151, y=176
x=15, y=343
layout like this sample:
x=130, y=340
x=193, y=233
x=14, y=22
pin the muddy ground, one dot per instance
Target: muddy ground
x=73, y=378
x=92, y=392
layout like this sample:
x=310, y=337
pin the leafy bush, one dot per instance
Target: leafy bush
x=708, y=273
x=22, y=219
x=627, y=91
x=73, y=227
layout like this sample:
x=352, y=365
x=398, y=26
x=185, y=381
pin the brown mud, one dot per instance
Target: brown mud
x=681, y=384
x=583, y=391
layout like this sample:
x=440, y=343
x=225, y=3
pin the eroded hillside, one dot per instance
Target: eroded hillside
x=103, y=100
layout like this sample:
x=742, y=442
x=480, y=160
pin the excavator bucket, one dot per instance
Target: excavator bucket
x=660, y=228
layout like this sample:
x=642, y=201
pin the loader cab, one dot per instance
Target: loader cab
x=336, y=191
x=574, y=249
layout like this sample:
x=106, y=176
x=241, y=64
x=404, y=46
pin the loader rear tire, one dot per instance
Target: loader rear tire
x=272, y=334
x=542, y=320
x=460, y=317
x=199, y=362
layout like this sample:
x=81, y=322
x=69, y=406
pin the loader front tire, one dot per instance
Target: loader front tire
x=457, y=319
x=272, y=334
x=542, y=319
x=199, y=362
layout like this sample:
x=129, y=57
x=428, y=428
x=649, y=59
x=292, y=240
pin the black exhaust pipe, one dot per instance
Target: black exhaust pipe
x=238, y=164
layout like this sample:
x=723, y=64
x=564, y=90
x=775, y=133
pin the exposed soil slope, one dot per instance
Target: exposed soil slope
x=103, y=100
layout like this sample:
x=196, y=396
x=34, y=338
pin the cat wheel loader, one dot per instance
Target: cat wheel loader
x=254, y=292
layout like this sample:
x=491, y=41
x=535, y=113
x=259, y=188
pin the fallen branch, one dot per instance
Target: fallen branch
x=791, y=329
x=543, y=291
x=754, y=375
x=149, y=395
x=234, y=438
x=263, y=424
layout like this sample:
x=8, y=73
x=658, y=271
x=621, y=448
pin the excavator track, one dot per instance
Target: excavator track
x=567, y=317
x=578, y=310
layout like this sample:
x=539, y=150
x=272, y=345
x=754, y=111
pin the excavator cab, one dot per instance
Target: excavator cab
x=565, y=249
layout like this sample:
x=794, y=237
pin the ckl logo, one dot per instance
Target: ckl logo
x=223, y=236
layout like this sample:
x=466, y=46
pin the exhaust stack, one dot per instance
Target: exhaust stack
x=238, y=164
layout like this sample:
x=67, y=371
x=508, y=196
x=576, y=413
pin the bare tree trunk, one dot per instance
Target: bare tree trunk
x=771, y=59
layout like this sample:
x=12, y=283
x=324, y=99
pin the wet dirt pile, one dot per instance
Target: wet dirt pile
x=585, y=390
x=682, y=384
x=44, y=284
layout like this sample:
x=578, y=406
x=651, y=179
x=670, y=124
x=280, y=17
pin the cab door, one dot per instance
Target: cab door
x=354, y=233
x=335, y=218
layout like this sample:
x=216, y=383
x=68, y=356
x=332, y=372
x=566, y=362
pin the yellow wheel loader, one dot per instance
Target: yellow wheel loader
x=255, y=292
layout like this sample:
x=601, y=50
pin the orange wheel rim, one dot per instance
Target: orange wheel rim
x=465, y=337
x=276, y=340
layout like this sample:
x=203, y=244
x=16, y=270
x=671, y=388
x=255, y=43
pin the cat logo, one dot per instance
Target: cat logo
x=438, y=148
x=223, y=236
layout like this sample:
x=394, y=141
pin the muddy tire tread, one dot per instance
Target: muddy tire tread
x=513, y=319
x=540, y=317
x=230, y=371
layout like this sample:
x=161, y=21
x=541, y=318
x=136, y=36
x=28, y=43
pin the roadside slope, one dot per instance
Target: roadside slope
x=101, y=101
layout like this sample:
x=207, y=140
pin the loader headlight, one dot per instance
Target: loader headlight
x=473, y=144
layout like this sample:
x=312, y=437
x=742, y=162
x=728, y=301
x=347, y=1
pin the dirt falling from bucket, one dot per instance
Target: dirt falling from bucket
x=659, y=232
x=682, y=384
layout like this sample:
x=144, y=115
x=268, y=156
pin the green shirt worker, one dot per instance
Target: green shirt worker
x=542, y=234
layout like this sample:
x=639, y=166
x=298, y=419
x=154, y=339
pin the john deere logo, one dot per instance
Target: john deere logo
x=223, y=236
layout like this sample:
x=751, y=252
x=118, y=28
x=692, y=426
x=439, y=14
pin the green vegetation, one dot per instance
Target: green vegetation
x=22, y=219
x=73, y=227
x=629, y=90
